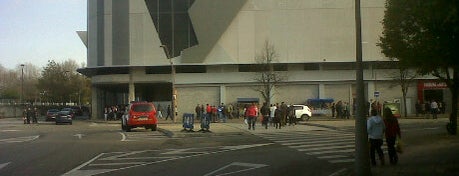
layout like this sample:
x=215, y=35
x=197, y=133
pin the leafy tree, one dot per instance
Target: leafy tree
x=58, y=81
x=425, y=35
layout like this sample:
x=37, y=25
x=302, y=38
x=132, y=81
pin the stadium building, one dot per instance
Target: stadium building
x=206, y=51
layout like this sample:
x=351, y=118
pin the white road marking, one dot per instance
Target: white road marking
x=331, y=156
x=4, y=165
x=339, y=172
x=238, y=165
x=327, y=148
x=10, y=130
x=79, y=135
x=326, y=152
x=333, y=146
x=19, y=139
x=123, y=136
x=349, y=160
x=96, y=161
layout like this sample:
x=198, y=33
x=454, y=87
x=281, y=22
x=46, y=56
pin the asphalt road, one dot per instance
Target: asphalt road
x=87, y=148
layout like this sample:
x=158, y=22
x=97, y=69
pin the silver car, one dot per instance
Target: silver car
x=64, y=117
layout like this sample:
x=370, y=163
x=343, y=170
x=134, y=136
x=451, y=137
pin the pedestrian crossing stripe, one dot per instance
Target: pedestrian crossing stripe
x=327, y=143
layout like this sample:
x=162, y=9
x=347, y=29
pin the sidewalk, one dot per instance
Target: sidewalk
x=238, y=127
x=231, y=127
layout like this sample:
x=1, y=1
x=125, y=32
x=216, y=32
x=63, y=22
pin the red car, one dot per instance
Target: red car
x=51, y=114
x=140, y=114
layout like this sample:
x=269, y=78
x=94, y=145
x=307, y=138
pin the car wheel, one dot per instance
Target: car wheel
x=305, y=117
x=123, y=127
x=154, y=127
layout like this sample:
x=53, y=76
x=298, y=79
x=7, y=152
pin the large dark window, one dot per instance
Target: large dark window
x=338, y=66
x=173, y=24
x=261, y=67
x=158, y=70
x=311, y=66
x=112, y=70
x=190, y=69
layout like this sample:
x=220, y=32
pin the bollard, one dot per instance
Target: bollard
x=188, y=122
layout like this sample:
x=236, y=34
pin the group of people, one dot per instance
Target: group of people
x=341, y=109
x=114, y=112
x=30, y=114
x=430, y=107
x=215, y=113
x=377, y=129
x=276, y=115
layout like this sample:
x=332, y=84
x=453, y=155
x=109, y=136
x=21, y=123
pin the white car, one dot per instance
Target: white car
x=302, y=112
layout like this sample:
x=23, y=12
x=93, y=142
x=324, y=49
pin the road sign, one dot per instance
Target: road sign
x=376, y=94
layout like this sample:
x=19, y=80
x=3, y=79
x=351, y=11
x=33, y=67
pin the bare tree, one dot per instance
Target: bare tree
x=267, y=76
x=404, y=77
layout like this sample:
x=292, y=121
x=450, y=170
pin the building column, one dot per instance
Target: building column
x=321, y=90
x=131, y=85
x=222, y=94
x=96, y=103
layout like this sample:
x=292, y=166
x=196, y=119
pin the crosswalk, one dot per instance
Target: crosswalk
x=332, y=146
x=142, y=136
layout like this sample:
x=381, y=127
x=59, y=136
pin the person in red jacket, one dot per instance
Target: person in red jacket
x=251, y=114
x=392, y=131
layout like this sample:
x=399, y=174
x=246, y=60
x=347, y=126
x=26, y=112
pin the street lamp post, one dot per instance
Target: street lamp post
x=362, y=162
x=22, y=83
x=172, y=80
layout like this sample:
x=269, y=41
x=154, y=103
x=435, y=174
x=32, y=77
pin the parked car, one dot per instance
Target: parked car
x=139, y=114
x=302, y=112
x=51, y=114
x=71, y=111
x=64, y=117
x=77, y=110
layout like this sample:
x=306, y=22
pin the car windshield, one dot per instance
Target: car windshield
x=142, y=108
x=64, y=112
x=53, y=110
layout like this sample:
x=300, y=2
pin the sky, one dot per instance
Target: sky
x=35, y=31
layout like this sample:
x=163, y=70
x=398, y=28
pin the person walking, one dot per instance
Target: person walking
x=375, y=128
x=169, y=112
x=265, y=113
x=35, y=115
x=251, y=114
x=291, y=115
x=277, y=117
x=284, y=110
x=434, y=109
x=333, y=109
x=198, y=111
x=160, y=110
x=418, y=108
x=272, y=110
x=392, y=131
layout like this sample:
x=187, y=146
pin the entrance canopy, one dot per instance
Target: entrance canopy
x=320, y=100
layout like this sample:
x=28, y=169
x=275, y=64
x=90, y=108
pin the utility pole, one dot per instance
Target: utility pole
x=362, y=162
x=22, y=83
x=173, y=97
